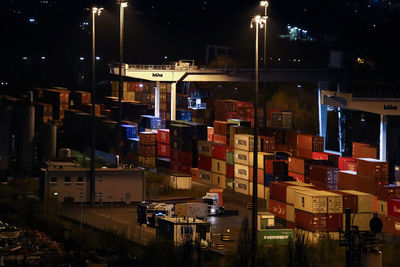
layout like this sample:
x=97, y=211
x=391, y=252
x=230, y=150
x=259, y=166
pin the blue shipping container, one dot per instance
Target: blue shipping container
x=129, y=131
x=133, y=145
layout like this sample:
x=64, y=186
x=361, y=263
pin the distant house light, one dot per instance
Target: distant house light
x=81, y=58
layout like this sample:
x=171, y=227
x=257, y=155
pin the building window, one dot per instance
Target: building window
x=53, y=180
x=67, y=180
x=100, y=179
x=79, y=180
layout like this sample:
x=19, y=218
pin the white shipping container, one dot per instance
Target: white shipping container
x=191, y=210
x=260, y=190
x=242, y=172
x=218, y=180
x=218, y=166
x=242, y=157
x=335, y=201
x=204, y=148
x=382, y=208
x=311, y=201
x=245, y=142
x=365, y=201
x=180, y=182
x=241, y=186
x=290, y=192
x=205, y=177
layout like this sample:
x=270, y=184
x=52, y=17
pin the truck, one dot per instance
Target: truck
x=156, y=210
x=215, y=201
x=197, y=210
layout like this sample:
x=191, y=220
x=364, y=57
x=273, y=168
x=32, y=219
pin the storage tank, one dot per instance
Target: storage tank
x=48, y=141
x=64, y=152
x=5, y=136
x=26, y=130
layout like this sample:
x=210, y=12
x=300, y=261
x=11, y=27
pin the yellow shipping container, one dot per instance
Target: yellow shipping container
x=290, y=192
x=311, y=201
x=260, y=190
x=218, y=180
x=365, y=200
x=218, y=166
x=241, y=186
x=242, y=172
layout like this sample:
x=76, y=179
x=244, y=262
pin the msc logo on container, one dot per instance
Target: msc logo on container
x=157, y=75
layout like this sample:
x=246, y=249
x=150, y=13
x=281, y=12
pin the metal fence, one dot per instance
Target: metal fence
x=133, y=232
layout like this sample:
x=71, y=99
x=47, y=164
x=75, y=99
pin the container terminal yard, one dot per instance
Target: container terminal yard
x=181, y=166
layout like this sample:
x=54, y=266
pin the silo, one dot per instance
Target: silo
x=48, y=141
x=26, y=131
x=5, y=136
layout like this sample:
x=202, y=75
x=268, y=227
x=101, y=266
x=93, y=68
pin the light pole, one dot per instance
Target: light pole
x=265, y=5
x=95, y=11
x=258, y=21
x=122, y=5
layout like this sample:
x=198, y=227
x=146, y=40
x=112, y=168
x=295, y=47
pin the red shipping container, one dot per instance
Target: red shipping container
x=209, y=137
x=184, y=157
x=163, y=136
x=347, y=164
x=277, y=190
x=177, y=167
x=277, y=208
x=260, y=175
x=269, y=166
x=385, y=192
x=147, y=138
x=347, y=180
x=240, y=104
x=163, y=150
x=218, y=151
x=204, y=163
x=393, y=225
x=319, y=222
x=296, y=165
x=219, y=139
x=299, y=177
x=304, y=153
x=320, y=155
x=221, y=128
x=230, y=171
x=394, y=207
x=195, y=174
x=147, y=150
x=373, y=168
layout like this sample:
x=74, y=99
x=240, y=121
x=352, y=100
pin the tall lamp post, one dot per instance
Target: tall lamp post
x=95, y=11
x=122, y=5
x=259, y=22
x=265, y=5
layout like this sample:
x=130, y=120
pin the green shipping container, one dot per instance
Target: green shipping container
x=229, y=183
x=230, y=158
x=269, y=237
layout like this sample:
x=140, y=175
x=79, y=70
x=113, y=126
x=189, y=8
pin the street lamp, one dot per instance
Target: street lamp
x=259, y=22
x=122, y=5
x=265, y=5
x=95, y=11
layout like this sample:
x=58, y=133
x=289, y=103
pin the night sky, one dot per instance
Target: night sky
x=155, y=29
